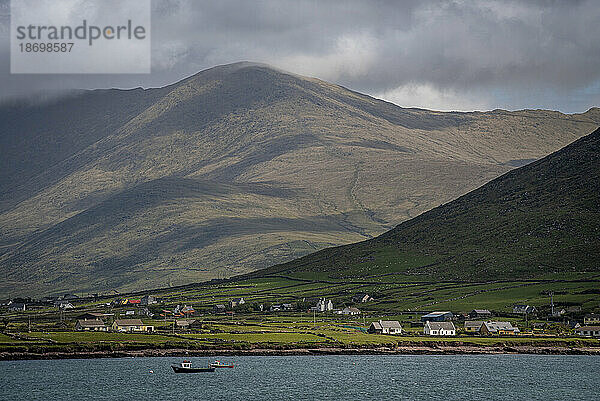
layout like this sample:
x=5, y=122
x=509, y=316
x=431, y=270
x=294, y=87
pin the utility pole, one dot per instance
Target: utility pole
x=552, y=302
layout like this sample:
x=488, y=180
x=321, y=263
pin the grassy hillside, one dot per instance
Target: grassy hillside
x=233, y=169
x=539, y=221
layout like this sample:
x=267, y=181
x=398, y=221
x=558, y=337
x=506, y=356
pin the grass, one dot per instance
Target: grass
x=261, y=338
x=95, y=337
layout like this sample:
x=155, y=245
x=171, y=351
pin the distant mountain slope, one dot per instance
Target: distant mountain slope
x=236, y=168
x=537, y=221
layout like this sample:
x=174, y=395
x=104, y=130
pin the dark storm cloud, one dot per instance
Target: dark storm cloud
x=443, y=55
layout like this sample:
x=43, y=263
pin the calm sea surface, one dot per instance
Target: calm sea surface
x=447, y=377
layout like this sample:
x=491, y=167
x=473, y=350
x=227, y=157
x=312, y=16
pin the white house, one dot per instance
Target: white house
x=90, y=325
x=523, y=309
x=588, y=331
x=236, y=301
x=62, y=305
x=324, y=305
x=439, y=329
x=385, y=327
x=16, y=307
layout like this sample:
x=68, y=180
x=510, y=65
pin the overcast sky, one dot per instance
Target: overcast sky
x=444, y=55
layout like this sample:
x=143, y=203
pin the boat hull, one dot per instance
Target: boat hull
x=179, y=369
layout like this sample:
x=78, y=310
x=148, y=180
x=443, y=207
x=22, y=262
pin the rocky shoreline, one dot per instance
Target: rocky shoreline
x=400, y=350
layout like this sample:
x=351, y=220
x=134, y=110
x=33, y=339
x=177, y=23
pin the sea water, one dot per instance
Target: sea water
x=335, y=377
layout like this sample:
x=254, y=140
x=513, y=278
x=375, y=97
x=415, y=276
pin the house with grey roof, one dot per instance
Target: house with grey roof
x=16, y=307
x=90, y=325
x=385, y=327
x=523, y=309
x=473, y=326
x=349, y=311
x=588, y=331
x=498, y=328
x=480, y=314
x=439, y=329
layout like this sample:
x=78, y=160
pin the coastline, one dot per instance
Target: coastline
x=400, y=350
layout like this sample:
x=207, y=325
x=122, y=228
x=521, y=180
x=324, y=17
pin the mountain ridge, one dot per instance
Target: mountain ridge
x=325, y=157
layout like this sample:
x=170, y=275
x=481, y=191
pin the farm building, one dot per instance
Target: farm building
x=91, y=316
x=437, y=317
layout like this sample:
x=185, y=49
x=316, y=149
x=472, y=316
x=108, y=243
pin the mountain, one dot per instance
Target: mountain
x=233, y=169
x=539, y=221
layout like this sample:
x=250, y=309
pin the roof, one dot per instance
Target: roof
x=352, y=309
x=91, y=323
x=596, y=315
x=95, y=314
x=481, y=311
x=129, y=322
x=473, y=323
x=434, y=314
x=220, y=306
x=495, y=326
x=185, y=322
x=588, y=328
x=441, y=325
x=390, y=324
x=376, y=325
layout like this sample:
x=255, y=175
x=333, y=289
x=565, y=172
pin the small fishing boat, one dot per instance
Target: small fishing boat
x=219, y=364
x=186, y=367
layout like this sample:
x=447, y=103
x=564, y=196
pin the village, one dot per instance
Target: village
x=304, y=322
